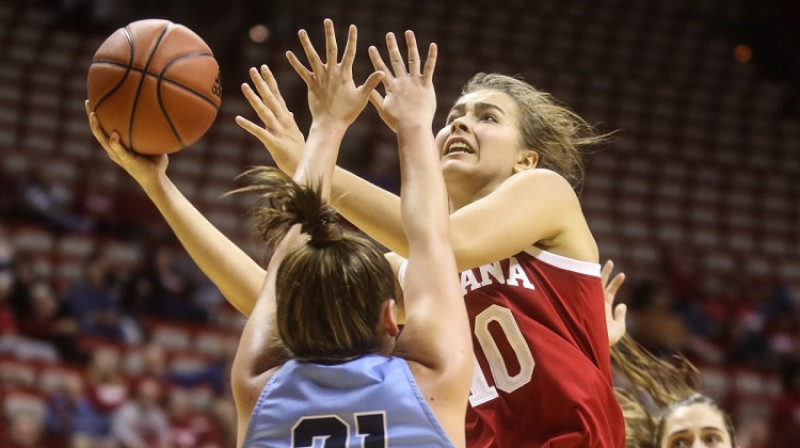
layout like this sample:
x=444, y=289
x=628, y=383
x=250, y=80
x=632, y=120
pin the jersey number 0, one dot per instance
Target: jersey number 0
x=503, y=380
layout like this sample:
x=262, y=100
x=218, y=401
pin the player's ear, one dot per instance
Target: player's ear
x=527, y=159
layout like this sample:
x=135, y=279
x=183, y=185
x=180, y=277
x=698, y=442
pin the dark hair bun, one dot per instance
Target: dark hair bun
x=324, y=227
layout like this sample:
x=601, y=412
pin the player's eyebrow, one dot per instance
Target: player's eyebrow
x=480, y=105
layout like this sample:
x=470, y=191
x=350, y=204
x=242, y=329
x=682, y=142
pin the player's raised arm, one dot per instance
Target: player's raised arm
x=440, y=348
x=295, y=210
x=236, y=275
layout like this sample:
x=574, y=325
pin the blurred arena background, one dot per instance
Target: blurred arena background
x=696, y=199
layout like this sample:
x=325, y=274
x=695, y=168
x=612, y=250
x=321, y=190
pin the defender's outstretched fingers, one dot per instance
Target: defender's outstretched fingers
x=371, y=83
x=350, y=50
x=311, y=53
x=413, y=54
x=256, y=103
x=395, y=58
x=379, y=65
x=269, y=78
x=331, y=48
x=267, y=92
x=377, y=100
x=263, y=89
x=430, y=63
x=254, y=129
x=301, y=69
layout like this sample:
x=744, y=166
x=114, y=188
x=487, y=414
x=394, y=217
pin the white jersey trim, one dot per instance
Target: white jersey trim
x=401, y=273
x=560, y=261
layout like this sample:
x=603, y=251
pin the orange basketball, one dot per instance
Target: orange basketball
x=157, y=84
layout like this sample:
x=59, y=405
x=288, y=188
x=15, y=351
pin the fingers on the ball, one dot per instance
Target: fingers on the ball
x=116, y=145
x=97, y=131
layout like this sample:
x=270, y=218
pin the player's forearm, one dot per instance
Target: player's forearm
x=319, y=157
x=370, y=208
x=237, y=276
x=424, y=205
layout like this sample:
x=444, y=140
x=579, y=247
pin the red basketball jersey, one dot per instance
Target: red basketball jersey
x=542, y=365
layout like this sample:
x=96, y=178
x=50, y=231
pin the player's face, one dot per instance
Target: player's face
x=481, y=137
x=695, y=426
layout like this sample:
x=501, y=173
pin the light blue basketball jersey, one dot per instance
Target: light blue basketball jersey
x=370, y=402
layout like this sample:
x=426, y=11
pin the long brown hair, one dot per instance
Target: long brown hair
x=651, y=389
x=556, y=133
x=329, y=290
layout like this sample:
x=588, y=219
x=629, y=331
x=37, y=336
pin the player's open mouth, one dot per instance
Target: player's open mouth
x=456, y=146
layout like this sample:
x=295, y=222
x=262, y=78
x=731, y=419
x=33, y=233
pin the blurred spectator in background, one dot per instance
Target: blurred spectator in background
x=7, y=321
x=95, y=302
x=51, y=203
x=10, y=340
x=50, y=320
x=141, y=423
x=72, y=418
x=24, y=274
x=161, y=289
x=25, y=430
x=106, y=388
x=653, y=320
x=785, y=425
x=96, y=203
x=189, y=428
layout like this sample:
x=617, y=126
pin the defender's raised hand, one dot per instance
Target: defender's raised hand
x=410, y=96
x=333, y=97
x=280, y=134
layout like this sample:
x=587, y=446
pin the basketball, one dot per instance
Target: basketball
x=157, y=84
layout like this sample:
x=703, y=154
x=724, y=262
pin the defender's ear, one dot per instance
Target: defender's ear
x=389, y=318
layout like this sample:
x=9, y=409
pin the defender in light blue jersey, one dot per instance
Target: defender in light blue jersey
x=366, y=402
x=321, y=361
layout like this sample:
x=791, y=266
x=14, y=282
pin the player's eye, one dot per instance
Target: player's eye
x=680, y=443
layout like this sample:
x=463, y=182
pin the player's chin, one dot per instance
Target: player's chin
x=456, y=167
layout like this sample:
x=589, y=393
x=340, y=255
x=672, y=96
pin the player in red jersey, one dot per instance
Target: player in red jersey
x=510, y=156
